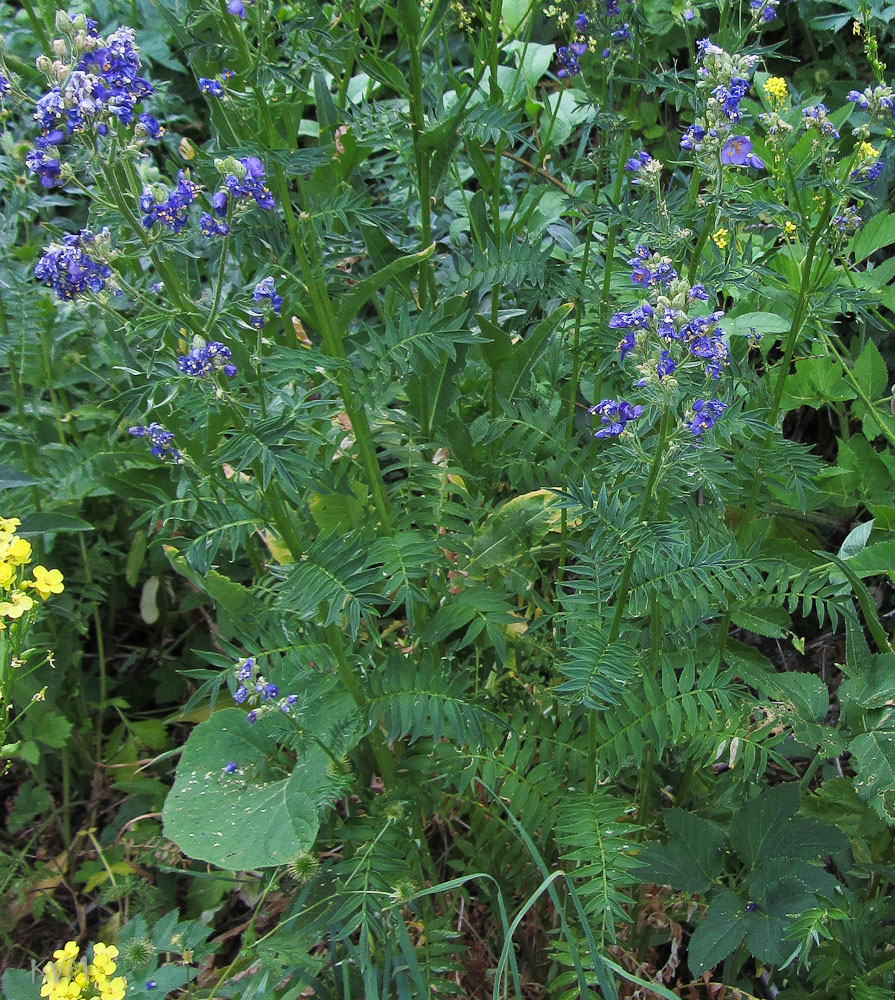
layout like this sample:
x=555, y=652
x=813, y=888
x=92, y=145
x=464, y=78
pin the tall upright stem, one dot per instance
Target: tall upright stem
x=624, y=584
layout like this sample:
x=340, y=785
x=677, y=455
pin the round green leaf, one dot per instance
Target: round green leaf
x=257, y=817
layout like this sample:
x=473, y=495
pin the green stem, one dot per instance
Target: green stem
x=625, y=580
x=307, y=255
x=802, y=304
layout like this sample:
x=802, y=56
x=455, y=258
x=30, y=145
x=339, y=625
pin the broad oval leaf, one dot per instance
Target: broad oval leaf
x=256, y=817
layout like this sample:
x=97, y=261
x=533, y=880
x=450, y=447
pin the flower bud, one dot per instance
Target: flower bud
x=44, y=65
x=79, y=22
x=186, y=149
x=59, y=46
x=64, y=24
x=230, y=165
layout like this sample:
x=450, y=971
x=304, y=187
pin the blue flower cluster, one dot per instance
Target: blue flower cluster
x=104, y=85
x=251, y=183
x=210, y=226
x=876, y=101
x=705, y=416
x=70, y=270
x=159, y=440
x=173, y=211
x=615, y=416
x=205, y=359
x=254, y=688
x=264, y=291
x=650, y=269
x=567, y=56
x=212, y=87
x=663, y=336
x=5, y=86
x=764, y=10
x=725, y=80
x=848, y=222
x=866, y=175
x=817, y=118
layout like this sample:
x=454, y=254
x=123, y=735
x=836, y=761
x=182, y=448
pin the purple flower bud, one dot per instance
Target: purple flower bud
x=237, y=8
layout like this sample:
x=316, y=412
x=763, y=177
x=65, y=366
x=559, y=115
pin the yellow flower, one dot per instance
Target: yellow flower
x=856, y=28
x=115, y=990
x=867, y=152
x=7, y=574
x=721, y=238
x=15, y=607
x=103, y=955
x=789, y=228
x=46, y=582
x=777, y=90
x=19, y=551
x=9, y=524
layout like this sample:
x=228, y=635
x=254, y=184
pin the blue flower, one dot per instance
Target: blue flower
x=638, y=160
x=219, y=203
x=227, y=74
x=204, y=359
x=635, y=319
x=5, y=86
x=705, y=416
x=172, y=212
x=229, y=769
x=692, y=138
x=867, y=175
x=666, y=365
x=252, y=717
x=568, y=56
x=150, y=126
x=213, y=87
x=699, y=292
x=47, y=169
x=706, y=340
x=150, y=984
x=581, y=21
x=817, y=117
x=237, y=8
x=650, y=269
x=615, y=416
x=256, y=320
x=737, y=152
x=269, y=691
x=159, y=439
x=247, y=668
x=265, y=290
x=252, y=184
x=69, y=269
x=210, y=226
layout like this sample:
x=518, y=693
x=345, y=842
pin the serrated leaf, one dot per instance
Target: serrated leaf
x=693, y=857
x=871, y=372
x=874, y=754
x=766, y=828
x=718, y=933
